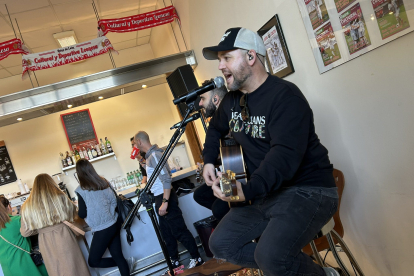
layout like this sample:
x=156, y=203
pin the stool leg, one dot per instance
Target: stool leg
x=336, y=255
x=316, y=254
x=347, y=252
x=259, y=272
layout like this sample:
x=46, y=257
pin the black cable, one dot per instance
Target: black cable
x=326, y=254
x=354, y=269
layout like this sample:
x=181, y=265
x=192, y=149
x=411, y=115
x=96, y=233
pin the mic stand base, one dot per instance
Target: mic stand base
x=148, y=200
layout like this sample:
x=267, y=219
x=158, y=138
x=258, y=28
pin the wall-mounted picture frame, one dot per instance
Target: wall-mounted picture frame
x=278, y=60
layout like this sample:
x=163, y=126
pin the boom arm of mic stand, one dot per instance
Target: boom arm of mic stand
x=173, y=142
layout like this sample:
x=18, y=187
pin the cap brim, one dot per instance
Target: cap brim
x=210, y=53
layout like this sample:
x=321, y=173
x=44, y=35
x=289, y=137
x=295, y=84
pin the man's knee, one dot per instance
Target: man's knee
x=270, y=260
x=217, y=247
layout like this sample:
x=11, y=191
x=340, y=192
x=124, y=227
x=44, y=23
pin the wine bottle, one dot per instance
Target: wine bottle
x=94, y=152
x=85, y=154
x=81, y=154
x=90, y=155
x=98, y=150
x=108, y=145
x=76, y=154
x=63, y=160
x=69, y=160
x=103, y=148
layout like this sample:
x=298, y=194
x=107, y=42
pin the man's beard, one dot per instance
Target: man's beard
x=239, y=77
x=210, y=109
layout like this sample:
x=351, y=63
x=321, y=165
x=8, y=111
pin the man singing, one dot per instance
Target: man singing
x=290, y=182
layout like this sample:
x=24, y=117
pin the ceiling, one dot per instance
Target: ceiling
x=40, y=19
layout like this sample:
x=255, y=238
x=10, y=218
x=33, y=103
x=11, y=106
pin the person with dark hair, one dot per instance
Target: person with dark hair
x=203, y=195
x=14, y=261
x=141, y=159
x=211, y=100
x=170, y=217
x=97, y=203
x=5, y=202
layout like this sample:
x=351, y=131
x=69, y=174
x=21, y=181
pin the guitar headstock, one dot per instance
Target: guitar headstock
x=228, y=185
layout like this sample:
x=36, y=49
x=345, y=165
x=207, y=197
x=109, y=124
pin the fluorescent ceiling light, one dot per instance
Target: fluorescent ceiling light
x=65, y=39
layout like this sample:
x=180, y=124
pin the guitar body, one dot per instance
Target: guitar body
x=233, y=169
x=232, y=159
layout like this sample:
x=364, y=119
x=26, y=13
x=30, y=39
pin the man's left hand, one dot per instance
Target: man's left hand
x=163, y=209
x=219, y=194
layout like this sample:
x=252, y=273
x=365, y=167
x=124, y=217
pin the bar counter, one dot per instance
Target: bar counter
x=145, y=240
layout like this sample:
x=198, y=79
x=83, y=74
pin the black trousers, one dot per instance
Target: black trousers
x=204, y=196
x=173, y=228
x=108, y=238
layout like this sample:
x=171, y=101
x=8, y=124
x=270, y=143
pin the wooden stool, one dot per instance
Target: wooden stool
x=329, y=232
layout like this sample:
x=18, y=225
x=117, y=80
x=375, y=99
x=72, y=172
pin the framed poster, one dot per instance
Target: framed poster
x=278, y=61
x=79, y=128
x=7, y=173
x=352, y=28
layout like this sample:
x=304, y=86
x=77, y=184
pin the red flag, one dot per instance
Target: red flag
x=11, y=47
x=138, y=22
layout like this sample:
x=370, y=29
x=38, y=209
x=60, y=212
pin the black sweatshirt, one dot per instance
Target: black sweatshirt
x=279, y=142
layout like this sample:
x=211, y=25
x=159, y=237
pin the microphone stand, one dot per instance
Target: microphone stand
x=147, y=199
x=203, y=121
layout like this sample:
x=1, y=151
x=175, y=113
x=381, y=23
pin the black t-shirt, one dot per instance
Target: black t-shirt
x=279, y=142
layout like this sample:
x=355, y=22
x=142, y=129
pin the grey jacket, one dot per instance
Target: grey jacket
x=163, y=180
x=100, y=207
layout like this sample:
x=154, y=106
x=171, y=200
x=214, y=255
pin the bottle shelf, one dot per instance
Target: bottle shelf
x=92, y=160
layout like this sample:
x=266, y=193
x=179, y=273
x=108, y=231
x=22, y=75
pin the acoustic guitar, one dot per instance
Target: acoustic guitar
x=232, y=166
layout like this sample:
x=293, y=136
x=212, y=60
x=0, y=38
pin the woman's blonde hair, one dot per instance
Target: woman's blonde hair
x=47, y=205
x=4, y=216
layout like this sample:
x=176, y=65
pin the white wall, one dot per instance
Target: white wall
x=34, y=145
x=363, y=115
x=163, y=39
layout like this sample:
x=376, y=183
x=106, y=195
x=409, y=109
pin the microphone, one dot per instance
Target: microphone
x=192, y=95
x=191, y=118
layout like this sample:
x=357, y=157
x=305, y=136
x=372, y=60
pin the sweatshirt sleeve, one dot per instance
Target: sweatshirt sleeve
x=82, y=213
x=218, y=127
x=289, y=132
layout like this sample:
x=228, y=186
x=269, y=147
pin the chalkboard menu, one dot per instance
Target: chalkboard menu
x=79, y=128
x=7, y=173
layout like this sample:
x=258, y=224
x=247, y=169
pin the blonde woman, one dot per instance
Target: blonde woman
x=44, y=212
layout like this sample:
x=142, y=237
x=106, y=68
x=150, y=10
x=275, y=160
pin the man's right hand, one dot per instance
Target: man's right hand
x=209, y=174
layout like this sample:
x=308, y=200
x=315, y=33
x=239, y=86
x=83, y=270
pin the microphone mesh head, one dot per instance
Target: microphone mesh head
x=219, y=82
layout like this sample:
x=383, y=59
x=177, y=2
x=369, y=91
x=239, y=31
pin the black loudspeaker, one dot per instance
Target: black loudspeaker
x=182, y=81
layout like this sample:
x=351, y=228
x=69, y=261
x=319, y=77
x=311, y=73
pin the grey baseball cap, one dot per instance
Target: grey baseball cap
x=236, y=38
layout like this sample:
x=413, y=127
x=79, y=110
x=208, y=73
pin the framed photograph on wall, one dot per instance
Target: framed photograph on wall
x=342, y=30
x=278, y=61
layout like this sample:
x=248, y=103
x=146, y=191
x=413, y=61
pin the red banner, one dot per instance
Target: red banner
x=70, y=54
x=138, y=22
x=11, y=47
